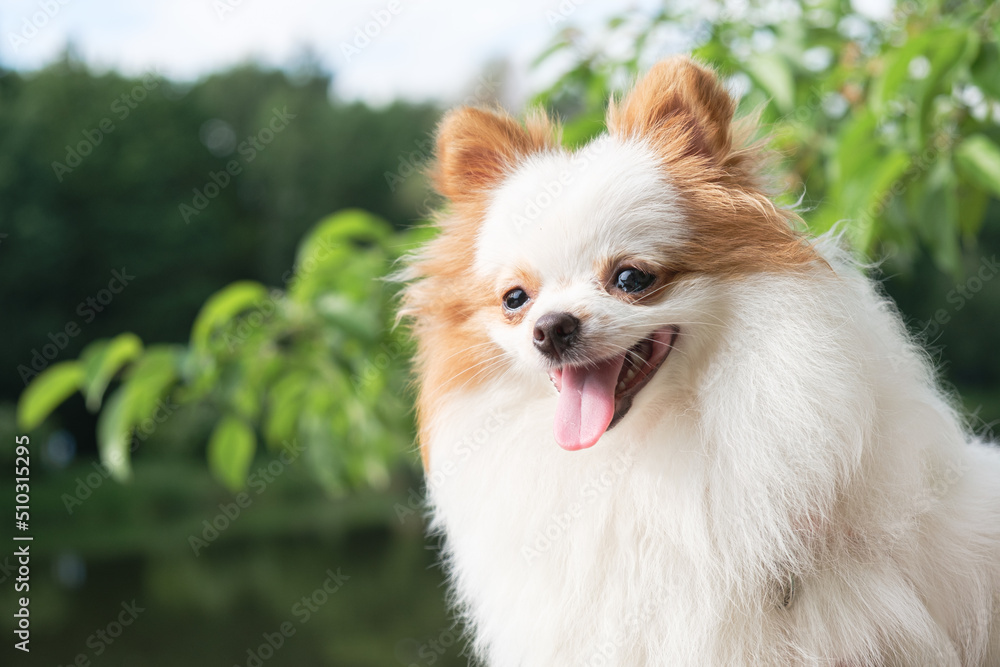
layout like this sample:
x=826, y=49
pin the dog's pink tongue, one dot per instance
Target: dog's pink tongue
x=586, y=403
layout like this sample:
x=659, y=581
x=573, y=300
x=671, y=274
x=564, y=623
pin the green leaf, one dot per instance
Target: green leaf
x=878, y=182
x=114, y=428
x=243, y=385
x=952, y=50
x=230, y=452
x=150, y=379
x=985, y=68
x=939, y=219
x=321, y=450
x=861, y=196
x=102, y=360
x=897, y=70
x=223, y=306
x=978, y=158
x=285, y=402
x=337, y=247
x=137, y=405
x=360, y=323
x=343, y=231
x=50, y=388
x=972, y=203
x=772, y=74
x=856, y=149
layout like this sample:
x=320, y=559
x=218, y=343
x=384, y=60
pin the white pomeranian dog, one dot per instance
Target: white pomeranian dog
x=661, y=426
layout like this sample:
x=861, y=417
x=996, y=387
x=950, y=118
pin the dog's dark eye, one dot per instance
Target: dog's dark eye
x=515, y=298
x=633, y=280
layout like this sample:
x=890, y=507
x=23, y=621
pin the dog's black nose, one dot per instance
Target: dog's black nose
x=555, y=333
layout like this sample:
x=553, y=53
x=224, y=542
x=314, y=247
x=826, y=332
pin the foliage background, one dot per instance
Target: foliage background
x=262, y=327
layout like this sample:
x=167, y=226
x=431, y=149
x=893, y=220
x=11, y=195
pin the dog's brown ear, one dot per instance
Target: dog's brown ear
x=476, y=148
x=680, y=107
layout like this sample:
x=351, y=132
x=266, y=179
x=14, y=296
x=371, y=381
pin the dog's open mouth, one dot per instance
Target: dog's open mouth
x=595, y=397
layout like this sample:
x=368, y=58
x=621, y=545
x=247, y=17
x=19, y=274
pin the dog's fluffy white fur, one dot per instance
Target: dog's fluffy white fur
x=792, y=487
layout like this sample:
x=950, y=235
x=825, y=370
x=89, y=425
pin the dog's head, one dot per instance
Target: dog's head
x=578, y=264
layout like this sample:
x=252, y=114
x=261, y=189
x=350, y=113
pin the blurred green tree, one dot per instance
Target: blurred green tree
x=101, y=171
x=889, y=123
x=315, y=366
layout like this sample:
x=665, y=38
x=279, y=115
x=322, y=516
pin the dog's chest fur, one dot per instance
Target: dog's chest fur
x=707, y=530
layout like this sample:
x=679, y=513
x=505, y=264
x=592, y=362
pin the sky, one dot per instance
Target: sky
x=378, y=50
